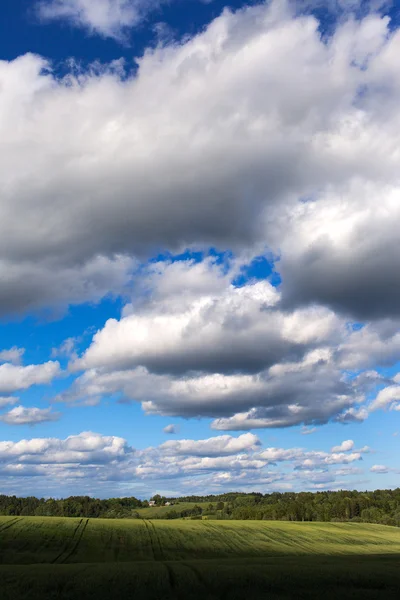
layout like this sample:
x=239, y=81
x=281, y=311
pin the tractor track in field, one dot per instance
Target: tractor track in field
x=150, y=538
x=157, y=537
x=171, y=576
x=78, y=541
x=159, y=555
x=68, y=544
x=9, y=524
x=153, y=535
x=72, y=547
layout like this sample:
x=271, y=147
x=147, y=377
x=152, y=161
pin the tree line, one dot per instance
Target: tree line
x=74, y=506
x=379, y=506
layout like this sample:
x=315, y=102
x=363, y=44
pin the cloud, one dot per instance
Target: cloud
x=284, y=395
x=309, y=460
x=224, y=329
x=195, y=345
x=192, y=344
x=380, y=469
x=40, y=285
x=85, y=448
x=108, y=18
x=217, y=446
x=308, y=430
x=171, y=429
x=388, y=396
x=356, y=229
x=14, y=355
x=29, y=416
x=8, y=401
x=91, y=461
x=15, y=377
x=211, y=126
x=345, y=446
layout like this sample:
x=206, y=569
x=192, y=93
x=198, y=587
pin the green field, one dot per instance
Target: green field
x=143, y=559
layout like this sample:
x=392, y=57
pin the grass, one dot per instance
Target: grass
x=62, y=559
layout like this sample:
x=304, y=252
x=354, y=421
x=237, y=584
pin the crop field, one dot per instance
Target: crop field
x=61, y=558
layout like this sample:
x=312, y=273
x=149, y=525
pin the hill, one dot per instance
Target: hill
x=99, y=558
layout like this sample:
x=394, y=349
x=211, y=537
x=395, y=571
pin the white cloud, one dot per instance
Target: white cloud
x=380, y=469
x=283, y=399
x=388, y=396
x=308, y=430
x=21, y=415
x=66, y=349
x=224, y=329
x=192, y=344
x=8, y=401
x=308, y=460
x=195, y=345
x=85, y=448
x=13, y=355
x=345, y=446
x=171, y=429
x=108, y=18
x=217, y=446
x=15, y=377
x=98, y=461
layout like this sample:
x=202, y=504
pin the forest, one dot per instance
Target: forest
x=379, y=506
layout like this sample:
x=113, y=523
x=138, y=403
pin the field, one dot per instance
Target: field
x=60, y=558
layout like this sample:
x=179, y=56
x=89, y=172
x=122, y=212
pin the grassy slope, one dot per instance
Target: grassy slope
x=210, y=560
x=37, y=539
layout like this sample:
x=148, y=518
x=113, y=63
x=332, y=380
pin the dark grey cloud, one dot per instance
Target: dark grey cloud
x=361, y=281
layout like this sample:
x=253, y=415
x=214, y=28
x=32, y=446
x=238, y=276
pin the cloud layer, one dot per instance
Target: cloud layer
x=90, y=460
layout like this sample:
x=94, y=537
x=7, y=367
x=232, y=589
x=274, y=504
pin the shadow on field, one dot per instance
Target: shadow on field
x=312, y=577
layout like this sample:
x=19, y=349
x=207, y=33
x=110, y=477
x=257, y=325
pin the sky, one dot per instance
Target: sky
x=199, y=248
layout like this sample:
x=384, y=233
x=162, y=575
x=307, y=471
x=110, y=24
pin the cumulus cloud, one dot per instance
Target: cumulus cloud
x=388, y=396
x=40, y=285
x=108, y=18
x=16, y=377
x=8, y=401
x=85, y=448
x=345, y=446
x=308, y=430
x=228, y=329
x=283, y=397
x=303, y=459
x=231, y=122
x=195, y=345
x=95, y=460
x=217, y=446
x=21, y=415
x=170, y=429
x=13, y=355
x=380, y=469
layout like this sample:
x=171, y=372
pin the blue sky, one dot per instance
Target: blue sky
x=199, y=252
